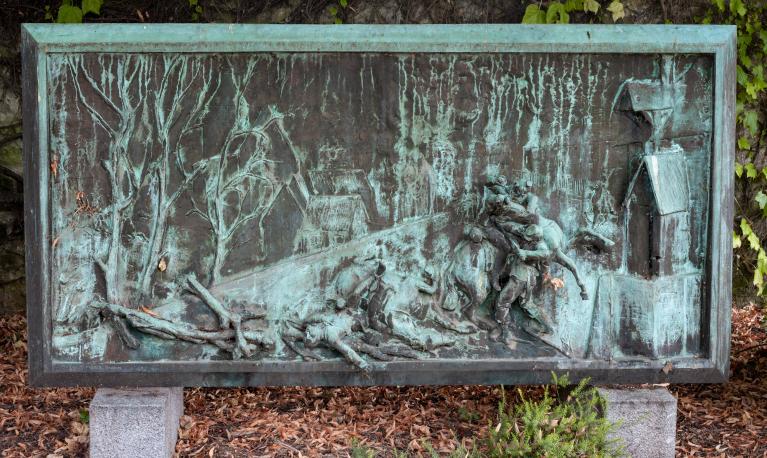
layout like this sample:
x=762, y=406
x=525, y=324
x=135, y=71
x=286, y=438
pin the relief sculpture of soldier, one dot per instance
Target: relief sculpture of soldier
x=367, y=309
x=525, y=244
x=225, y=208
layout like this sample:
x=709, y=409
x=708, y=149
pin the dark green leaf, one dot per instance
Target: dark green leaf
x=745, y=228
x=591, y=5
x=719, y=4
x=92, y=6
x=737, y=7
x=751, y=121
x=573, y=5
x=750, y=170
x=743, y=143
x=534, y=15
x=742, y=76
x=69, y=15
x=556, y=14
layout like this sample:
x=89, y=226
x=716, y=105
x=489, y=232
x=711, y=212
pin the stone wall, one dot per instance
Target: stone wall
x=11, y=219
x=265, y=11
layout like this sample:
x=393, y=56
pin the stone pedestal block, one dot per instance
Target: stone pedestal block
x=135, y=422
x=646, y=420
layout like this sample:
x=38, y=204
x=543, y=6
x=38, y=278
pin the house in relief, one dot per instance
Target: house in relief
x=657, y=200
x=652, y=101
x=663, y=320
x=309, y=221
x=657, y=215
x=329, y=221
x=344, y=182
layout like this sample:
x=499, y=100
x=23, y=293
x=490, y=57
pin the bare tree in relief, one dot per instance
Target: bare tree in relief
x=121, y=84
x=181, y=102
x=240, y=184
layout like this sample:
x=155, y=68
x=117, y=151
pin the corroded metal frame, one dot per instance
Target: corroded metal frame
x=39, y=41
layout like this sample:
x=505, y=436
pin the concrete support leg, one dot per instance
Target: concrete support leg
x=135, y=422
x=646, y=420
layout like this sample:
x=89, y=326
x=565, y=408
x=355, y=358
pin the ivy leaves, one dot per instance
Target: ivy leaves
x=757, y=177
x=752, y=51
x=755, y=244
x=335, y=11
x=72, y=14
x=196, y=9
x=750, y=109
x=92, y=6
x=69, y=14
x=616, y=8
x=556, y=12
x=534, y=15
x=591, y=5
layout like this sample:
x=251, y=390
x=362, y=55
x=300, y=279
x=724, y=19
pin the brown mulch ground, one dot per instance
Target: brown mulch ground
x=729, y=420
x=714, y=420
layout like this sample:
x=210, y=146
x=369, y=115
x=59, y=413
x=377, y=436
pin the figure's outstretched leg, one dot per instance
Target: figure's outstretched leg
x=348, y=353
x=370, y=350
x=509, y=294
x=570, y=265
x=305, y=353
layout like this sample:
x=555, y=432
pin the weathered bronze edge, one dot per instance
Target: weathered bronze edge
x=719, y=270
x=448, y=374
x=513, y=38
x=36, y=229
x=720, y=41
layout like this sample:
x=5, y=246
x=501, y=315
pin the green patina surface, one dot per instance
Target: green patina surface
x=289, y=200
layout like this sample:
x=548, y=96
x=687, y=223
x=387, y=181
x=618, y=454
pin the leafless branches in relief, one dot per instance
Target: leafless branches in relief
x=230, y=337
x=239, y=183
x=187, y=88
x=145, y=112
x=121, y=85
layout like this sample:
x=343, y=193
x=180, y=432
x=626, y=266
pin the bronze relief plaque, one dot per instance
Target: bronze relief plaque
x=273, y=205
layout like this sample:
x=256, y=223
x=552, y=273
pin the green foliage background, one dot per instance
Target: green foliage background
x=751, y=166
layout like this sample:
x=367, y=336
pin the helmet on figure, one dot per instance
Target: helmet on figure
x=533, y=233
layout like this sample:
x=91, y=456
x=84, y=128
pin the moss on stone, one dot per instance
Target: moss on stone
x=10, y=155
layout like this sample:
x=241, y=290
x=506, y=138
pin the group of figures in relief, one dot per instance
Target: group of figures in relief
x=497, y=267
x=201, y=209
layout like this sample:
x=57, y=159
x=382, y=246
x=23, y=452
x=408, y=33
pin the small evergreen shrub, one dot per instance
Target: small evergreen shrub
x=565, y=424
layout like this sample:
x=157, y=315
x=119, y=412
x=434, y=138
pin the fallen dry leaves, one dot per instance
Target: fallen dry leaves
x=714, y=420
x=326, y=421
x=729, y=420
x=35, y=422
